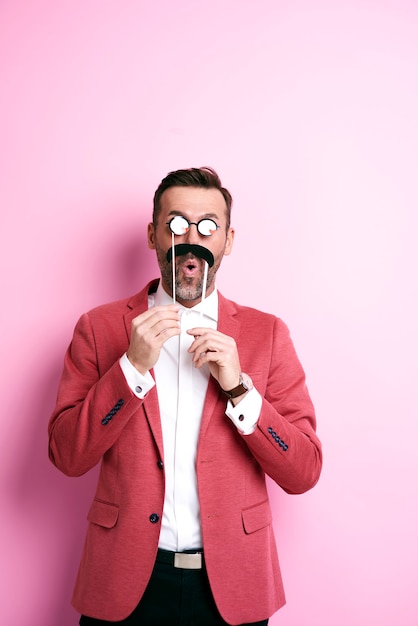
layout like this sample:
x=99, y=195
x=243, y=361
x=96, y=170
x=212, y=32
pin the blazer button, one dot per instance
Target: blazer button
x=154, y=518
x=160, y=464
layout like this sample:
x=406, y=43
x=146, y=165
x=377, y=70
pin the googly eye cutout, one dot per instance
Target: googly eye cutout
x=179, y=225
x=207, y=227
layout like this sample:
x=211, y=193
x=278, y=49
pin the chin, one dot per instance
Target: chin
x=188, y=296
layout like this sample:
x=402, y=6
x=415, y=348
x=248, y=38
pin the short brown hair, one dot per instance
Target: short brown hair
x=205, y=177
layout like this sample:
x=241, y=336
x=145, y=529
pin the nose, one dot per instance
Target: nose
x=192, y=235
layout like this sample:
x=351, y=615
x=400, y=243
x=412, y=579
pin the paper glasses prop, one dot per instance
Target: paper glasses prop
x=179, y=225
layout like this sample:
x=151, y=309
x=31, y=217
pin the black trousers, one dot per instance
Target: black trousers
x=173, y=597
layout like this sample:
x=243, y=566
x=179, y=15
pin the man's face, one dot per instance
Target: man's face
x=195, y=204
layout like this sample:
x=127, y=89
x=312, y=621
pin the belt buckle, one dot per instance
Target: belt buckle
x=182, y=560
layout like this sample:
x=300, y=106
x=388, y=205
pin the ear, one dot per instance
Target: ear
x=229, y=241
x=151, y=236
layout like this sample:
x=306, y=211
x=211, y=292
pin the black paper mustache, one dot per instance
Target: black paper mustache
x=199, y=251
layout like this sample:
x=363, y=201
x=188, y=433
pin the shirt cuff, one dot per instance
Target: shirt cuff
x=246, y=413
x=140, y=384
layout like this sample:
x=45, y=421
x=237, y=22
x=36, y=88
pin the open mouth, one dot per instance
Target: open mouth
x=190, y=267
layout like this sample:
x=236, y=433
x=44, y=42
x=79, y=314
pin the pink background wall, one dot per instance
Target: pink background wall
x=308, y=110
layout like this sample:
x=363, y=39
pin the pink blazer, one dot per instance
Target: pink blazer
x=98, y=419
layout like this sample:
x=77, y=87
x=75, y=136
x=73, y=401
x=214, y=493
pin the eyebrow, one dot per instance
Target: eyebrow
x=212, y=216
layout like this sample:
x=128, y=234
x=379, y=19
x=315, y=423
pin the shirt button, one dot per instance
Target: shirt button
x=241, y=418
x=138, y=389
x=154, y=518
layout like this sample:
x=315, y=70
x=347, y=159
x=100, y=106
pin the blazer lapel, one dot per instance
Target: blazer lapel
x=228, y=324
x=137, y=305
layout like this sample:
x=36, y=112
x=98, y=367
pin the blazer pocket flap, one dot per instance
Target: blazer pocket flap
x=103, y=514
x=256, y=517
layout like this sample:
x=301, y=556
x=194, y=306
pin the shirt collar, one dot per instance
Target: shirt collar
x=209, y=307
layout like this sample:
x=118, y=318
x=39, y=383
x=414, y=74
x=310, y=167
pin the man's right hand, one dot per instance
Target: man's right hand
x=149, y=332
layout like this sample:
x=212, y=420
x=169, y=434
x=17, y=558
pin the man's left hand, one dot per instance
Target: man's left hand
x=220, y=352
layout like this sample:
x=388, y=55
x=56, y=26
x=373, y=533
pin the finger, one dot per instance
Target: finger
x=162, y=326
x=203, y=336
x=215, y=343
x=200, y=347
x=201, y=358
x=151, y=318
x=200, y=331
x=165, y=334
x=169, y=311
x=206, y=354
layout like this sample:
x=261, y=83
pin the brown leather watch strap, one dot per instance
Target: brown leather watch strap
x=239, y=390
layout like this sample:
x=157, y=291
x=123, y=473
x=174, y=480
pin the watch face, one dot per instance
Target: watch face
x=244, y=384
x=246, y=380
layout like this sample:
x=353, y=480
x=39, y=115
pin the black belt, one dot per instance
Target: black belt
x=192, y=559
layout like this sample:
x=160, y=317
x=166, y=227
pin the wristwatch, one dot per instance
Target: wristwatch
x=245, y=384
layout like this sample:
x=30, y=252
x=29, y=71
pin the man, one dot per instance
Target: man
x=187, y=400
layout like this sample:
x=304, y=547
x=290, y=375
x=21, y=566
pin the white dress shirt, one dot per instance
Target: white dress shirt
x=181, y=389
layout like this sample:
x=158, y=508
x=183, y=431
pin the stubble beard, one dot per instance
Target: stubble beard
x=188, y=292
